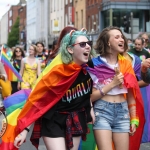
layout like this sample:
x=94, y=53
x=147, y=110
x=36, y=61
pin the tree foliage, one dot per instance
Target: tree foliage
x=13, y=36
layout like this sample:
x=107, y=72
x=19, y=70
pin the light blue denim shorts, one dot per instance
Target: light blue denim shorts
x=111, y=116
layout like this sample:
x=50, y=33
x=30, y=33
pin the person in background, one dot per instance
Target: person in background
x=30, y=69
x=3, y=76
x=54, y=45
x=130, y=44
x=58, y=112
x=139, y=50
x=18, y=55
x=145, y=70
x=146, y=42
x=41, y=55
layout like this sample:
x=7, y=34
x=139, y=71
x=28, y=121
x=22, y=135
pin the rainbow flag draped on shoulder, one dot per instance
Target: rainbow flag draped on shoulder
x=13, y=105
x=12, y=73
x=145, y=91
x=49, y=89
x=102, y=71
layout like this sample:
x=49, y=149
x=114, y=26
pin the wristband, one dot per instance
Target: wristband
x=101, y=91
x=135, y=121
x=27, y=129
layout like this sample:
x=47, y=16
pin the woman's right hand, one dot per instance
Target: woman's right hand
x=117, y=80
x=20, y=139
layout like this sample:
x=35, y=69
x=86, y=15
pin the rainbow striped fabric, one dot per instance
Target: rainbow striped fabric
x=145, y=91
x=13, y=105
x=102, y=71
x=49, y=89
x=12, y=73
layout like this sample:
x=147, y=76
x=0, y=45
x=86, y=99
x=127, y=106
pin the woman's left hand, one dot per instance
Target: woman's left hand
x=132, y=129
x=92, y=115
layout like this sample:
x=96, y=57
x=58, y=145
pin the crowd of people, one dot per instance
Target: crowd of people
x=78, y=85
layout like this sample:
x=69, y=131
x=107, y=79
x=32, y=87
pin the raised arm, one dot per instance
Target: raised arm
x=145, y=70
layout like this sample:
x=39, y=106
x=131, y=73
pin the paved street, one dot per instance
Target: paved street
x=28, y=146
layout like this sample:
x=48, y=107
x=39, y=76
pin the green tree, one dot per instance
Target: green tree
x=13, y=36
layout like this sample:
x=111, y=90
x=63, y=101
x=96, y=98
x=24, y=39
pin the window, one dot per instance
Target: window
x=89, y=24
x=81, y=18
x=77, y=19
x=10, y=23
x=10, y=13
x=66, y=2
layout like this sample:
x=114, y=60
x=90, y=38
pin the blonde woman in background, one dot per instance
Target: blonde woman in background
x=30, y=69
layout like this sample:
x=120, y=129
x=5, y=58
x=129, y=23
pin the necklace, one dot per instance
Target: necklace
x=16, y=64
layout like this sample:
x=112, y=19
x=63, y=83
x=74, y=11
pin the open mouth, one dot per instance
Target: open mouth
x=86, y=54
x=121, y=45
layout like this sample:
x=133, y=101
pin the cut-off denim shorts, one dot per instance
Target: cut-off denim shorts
x=111, y=116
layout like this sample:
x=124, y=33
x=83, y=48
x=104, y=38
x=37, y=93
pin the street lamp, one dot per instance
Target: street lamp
x=131, y=24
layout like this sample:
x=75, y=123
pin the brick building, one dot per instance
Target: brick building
x=22, y=24
x=12, y=16
x=80, y=13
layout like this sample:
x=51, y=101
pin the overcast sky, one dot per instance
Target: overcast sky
x=5, y=5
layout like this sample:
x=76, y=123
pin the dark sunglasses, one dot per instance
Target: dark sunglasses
x=18, y=51
x=83, y=44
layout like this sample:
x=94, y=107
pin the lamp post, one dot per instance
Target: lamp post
x=131, y=24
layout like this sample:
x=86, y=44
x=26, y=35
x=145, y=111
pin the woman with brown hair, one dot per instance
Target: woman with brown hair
x=41, y=55
x=30, y=69
x=118, y=106
x=17, y=56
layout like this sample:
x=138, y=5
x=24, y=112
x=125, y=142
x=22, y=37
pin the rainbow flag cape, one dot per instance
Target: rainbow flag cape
x=49, y=89
x=145, y=91
x=13, y=105
x=12, y=73
x=102, y=71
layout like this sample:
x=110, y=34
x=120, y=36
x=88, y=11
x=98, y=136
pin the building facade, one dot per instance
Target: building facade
x=80, y=13
x=69, y=13
x=4, y=29
x=22, y=25
x=12, y=16
x=118, y=13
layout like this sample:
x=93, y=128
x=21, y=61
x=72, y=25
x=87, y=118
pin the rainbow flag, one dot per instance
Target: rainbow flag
x=12, y=73
x=102, y=71
x=49, y=89
x=145, y=91
x=13, y=105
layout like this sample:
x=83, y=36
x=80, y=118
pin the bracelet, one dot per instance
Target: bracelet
x=101, y=91
x=26, y=129
x=91, y=106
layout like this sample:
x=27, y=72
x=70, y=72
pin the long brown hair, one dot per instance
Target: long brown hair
x=102, y=46
x=14, y=53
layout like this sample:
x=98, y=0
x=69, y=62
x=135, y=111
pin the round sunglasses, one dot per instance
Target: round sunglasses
x=83, y=44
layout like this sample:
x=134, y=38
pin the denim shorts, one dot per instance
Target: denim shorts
x=111, y=116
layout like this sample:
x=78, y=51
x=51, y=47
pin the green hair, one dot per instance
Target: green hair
x=68, y=41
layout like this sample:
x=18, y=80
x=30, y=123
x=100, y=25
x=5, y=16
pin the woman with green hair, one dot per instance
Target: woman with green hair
x=62, y=97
